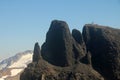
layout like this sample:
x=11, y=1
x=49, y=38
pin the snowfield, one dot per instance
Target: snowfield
x=3, y=78
x=14, y=65
x=21, y=63
x=14, y=72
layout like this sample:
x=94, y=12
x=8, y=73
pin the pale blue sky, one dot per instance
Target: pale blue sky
x=24, y=22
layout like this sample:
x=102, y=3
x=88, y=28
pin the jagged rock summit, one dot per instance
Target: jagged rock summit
x=37, y=53
x=60, y=48
x=60, y=57
x=104, y=44
x=92, y=55
x=57, y=48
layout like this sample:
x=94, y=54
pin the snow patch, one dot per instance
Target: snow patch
x=22, y=62
x=16, y=64
x=14, y=72
x=3, y=77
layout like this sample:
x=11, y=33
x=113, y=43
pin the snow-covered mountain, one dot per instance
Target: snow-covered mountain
x=11, y=68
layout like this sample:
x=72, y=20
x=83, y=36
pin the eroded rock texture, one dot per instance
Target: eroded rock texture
x=104, y=45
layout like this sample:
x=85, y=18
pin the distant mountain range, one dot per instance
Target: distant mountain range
x=10, y=68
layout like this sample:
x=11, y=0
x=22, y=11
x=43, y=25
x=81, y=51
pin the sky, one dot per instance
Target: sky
x=24, y=22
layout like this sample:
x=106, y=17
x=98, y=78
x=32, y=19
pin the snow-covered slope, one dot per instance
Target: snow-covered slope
x=15, y=65
x=21, y=63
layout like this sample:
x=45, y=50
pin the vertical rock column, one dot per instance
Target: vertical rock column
x=57, y=48
x=37, y=53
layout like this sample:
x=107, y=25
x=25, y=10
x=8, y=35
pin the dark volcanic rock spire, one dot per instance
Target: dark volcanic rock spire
x=58, y=46
x=61, y=48
x=37, y=53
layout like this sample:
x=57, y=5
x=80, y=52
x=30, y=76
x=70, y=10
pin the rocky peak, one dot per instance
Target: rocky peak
x=58, y=46
x=92, y=55
x=77, y=36
x=36, y=53
x=61, y=48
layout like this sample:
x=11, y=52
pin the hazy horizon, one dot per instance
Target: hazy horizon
x=24, y=22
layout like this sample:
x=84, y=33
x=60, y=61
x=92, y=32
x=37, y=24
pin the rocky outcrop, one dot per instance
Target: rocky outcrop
x=77, y=36
x=63, y=57
x=60, y=48
x=79, y=47
x=104, y=45
x=57, y=49
x=45, y=71
x=37, y=53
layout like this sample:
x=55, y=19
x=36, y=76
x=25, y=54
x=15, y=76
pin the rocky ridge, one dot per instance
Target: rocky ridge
x=92, y=55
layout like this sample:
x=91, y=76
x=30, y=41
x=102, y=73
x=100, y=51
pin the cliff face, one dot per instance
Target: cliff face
x=57, y=49
x=104, y=45
x=76, y=56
